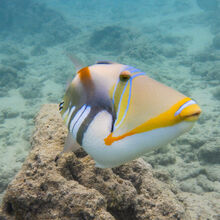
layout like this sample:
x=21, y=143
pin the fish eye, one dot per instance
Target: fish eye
x=125, y=76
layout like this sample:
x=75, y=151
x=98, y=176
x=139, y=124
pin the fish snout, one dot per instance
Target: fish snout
x=190, y=113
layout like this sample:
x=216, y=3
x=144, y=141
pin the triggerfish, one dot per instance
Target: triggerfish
x=116, y=113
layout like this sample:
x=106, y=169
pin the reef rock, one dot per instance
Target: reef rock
x=29, y=17
x=210, y=152
x=51, y=185
x=208, y=5
x=216, y=42
x=110, y=38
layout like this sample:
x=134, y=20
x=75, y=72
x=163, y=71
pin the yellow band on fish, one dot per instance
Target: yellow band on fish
x=165, y=119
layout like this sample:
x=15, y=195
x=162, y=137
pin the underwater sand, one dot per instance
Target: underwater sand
x=171, y=42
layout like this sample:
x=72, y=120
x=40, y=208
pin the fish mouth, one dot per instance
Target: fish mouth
x=191, y=113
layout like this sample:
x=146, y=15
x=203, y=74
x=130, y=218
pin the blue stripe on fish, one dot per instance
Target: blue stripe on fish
x=113, y=98
x=119, y=106
x=129, y=98
x=70, y=115
x=134, y=71
x=129, y=68
x=76, y=117
x=138, y=74
x=191, y=102
x=80, y=120
x=126, y=110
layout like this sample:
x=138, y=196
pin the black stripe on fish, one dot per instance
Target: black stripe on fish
x=61, y=105
x=87, y=121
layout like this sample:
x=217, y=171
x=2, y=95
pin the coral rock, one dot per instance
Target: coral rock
x=51, y=185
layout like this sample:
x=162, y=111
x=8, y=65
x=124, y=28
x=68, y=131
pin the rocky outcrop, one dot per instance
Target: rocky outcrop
x=51, y=185
x=30, y=17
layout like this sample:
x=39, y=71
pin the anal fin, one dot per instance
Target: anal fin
x=70, y=144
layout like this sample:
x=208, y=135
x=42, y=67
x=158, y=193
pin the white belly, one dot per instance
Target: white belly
x=128, y=148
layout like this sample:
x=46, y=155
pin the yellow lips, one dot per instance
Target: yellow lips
x=191, y=113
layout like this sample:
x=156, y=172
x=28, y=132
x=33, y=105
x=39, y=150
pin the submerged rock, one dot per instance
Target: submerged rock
x=38, y=51
x=8, y=77
x=216, y=92
x=208, y=5
x=110, y=38
x=68, y=186
x=28, y=17
x=208, y=70
x=210, y=152
x=31, y=90
x=216, y=42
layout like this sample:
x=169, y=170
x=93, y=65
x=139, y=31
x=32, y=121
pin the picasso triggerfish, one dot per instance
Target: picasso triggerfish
x=117, y=113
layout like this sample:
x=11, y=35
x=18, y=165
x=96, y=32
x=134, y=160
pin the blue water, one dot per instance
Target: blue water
x=174, y=42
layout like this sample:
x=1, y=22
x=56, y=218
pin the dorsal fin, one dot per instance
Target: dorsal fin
x=78, y=63
x=104, y=62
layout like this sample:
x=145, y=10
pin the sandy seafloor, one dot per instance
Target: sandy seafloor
x=175, y=42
